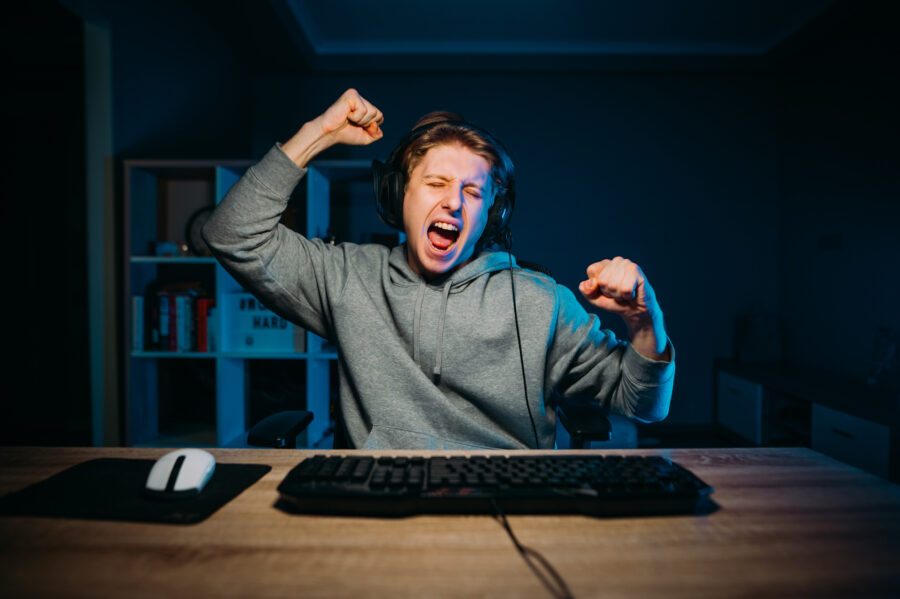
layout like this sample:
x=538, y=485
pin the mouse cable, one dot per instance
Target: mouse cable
x=542, y=568
x=507, y=241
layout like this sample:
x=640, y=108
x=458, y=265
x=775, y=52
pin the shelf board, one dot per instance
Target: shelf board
x=277, y=355
x=344, y=170
x=241, y=355
x=172, y=354
x=173, y=260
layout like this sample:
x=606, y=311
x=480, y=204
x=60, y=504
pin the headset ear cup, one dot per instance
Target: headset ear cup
x=393, y=201
x=387, y=204
x=378, y=172
x=503, y=213
x=498, y=217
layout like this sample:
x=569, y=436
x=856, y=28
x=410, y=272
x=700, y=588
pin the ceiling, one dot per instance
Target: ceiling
x=399, y=35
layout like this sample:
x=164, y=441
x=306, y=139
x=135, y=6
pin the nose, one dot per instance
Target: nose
x=453, y=198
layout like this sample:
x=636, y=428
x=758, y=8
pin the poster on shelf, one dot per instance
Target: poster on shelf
x=250, y=326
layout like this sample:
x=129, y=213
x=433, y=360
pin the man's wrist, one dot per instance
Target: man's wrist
x=306, y=143
x=648, y=337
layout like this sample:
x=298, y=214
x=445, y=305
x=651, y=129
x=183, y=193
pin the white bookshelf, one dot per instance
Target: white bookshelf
x=159, y=196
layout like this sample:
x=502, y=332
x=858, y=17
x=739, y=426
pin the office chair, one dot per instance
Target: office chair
x=584, y=423
x=582, y=420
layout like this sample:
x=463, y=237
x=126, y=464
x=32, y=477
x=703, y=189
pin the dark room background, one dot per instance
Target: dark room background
x=765, y=186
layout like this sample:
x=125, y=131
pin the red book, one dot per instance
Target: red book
x=203, y=304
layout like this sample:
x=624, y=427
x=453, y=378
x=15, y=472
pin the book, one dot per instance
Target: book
x=164, y=330
x=177, y=319
x=204, y=306
x=183, y=320
x=153, y=315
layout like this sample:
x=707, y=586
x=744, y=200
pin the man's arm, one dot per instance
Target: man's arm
x=644, y=376
x=351, y=120
x=619, y=286
x=587, y=361
x=291, y=275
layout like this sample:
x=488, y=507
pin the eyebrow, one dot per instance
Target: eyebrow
x=449, y=178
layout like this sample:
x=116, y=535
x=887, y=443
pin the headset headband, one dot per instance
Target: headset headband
x=390, y=184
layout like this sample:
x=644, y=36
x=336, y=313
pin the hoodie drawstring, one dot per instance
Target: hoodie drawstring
x=440, y=337
x=417, y=319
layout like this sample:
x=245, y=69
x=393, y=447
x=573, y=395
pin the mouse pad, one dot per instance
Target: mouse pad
x=113, y=489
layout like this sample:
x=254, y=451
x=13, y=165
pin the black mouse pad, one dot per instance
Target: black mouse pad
x=113, y=489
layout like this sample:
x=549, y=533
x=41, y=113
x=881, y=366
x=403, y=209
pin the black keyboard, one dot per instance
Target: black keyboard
x=398, y=486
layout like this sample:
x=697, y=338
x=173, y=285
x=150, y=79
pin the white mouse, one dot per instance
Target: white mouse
x=180, y=474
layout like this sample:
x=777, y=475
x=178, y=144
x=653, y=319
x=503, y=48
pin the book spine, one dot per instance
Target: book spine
x=173, y=324
x=162, y=306
x=192, y=320
x=182, y=324
x=153, y=315
x=202, y=315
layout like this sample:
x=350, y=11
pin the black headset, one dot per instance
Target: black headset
x=390, y=185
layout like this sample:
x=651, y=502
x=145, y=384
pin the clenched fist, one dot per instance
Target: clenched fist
x=351, y=120
x=619, y=286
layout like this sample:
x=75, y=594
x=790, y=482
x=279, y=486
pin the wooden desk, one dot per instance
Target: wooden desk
x=790, y=523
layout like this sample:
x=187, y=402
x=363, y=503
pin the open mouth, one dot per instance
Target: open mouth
x=442, y=235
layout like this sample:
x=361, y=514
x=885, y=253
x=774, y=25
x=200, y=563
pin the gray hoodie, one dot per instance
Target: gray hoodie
x=430, y=364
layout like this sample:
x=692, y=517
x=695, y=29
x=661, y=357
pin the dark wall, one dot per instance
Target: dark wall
x=46, y=394
x=839, y=181
x=675, y=171
x=179, y=90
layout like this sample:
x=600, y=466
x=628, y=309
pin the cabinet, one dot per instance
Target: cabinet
x=191, y=395
x=759, y=414
x=790, y=404
x=856, y=441
x=740, y=406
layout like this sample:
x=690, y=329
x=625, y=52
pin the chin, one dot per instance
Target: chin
x=435, y=263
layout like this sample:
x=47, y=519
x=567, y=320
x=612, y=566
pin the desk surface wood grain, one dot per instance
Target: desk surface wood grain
x=789, y=523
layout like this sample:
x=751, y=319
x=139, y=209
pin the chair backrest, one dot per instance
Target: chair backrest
x=340, y=434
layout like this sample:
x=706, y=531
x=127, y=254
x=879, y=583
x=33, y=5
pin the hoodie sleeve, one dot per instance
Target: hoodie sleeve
x=585, y=360
x=293, y=276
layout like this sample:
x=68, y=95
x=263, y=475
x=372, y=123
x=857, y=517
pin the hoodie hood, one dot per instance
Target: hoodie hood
x=456, y=281
x=486, y=262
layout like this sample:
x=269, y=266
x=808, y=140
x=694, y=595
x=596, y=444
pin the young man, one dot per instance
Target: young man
x=432, y=353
